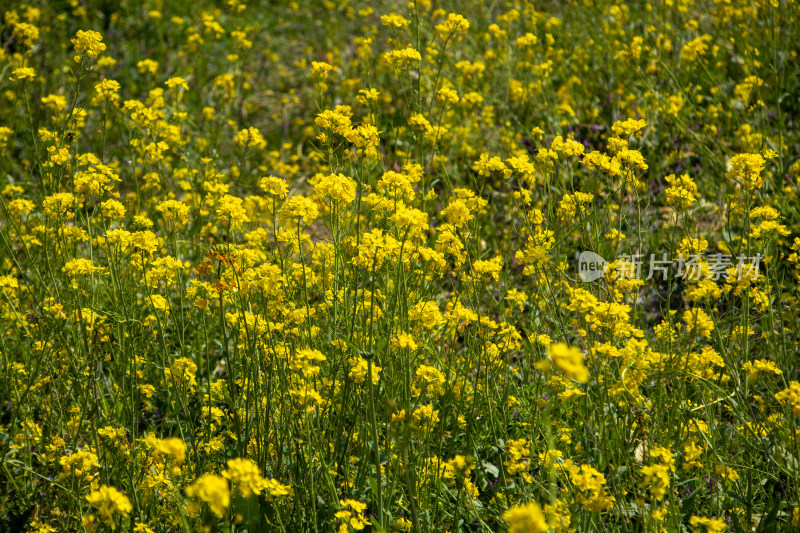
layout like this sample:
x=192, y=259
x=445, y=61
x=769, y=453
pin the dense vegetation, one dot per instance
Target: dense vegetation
x=434, y=266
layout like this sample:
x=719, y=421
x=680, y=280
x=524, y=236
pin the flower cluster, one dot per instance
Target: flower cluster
x=319, y=267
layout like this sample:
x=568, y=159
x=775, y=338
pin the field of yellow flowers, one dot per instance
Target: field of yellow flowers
x=399, y=266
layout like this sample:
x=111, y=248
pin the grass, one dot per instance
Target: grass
x=317, y=267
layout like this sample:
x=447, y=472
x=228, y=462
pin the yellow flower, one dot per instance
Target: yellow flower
x=320, y=69
x=419, y=122
x=274, y=186
x=182, y=372
x=426, y=313
x=5, y=135
x=759, y=367
x=626, y=128
x=358, y=370
x=108, y=90
x=335, y=121
x=275, y=491
x=376, y=249
x=790, y=397
x=519, y=460
x=230, y=211
x=28, y=33
x=213, y=490
x=695, y=48
x=707, y=525
x=409, y=220
x=367, y=95
x=746, y=169
x=93, y=182
x=453, y=24
x=300, y=207
x=171, y=447
x=80, y=267
x=486, y=165
x=569, y=360
x=147, y=66
x=697, y=321
x=425, y=416
x=447, y=95
x=429, y=379
x=527, y=518
x=251, y=138
x=527, y=40
x=656, y=480
x=80, y=464
x=23, y=74
x=394, y=20
x=488, y=269
x=174, y=212
x=19, y=207
x=402, y=57
x=352, y=514
x=682, y=192
x=568, y=147
x=109, y=501
x=591, y=484
x=177, y=82
x=89, y=42
x=340, y=189
x=245, y=476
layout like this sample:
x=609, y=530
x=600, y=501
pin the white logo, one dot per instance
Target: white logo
x=591, y=266
x=695, y=267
